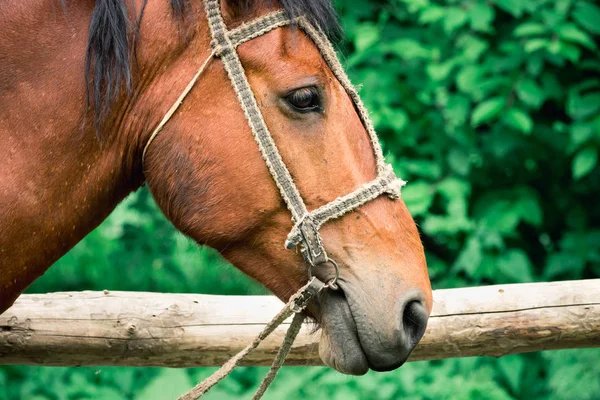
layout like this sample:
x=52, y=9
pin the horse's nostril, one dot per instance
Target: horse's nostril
x=414, y=321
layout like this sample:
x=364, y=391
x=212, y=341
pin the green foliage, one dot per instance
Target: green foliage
x=491, y=111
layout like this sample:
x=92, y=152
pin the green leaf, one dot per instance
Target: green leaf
x=494, y=84
x=536, y=44
x=470, y=257
x=439, y=72
x=412, y=5
x=455, y=18
x=531, y=93
x=170, y=384
x=473, y=47
x=487, y=110
x=418, y=197
x=396, y=118
x=481, y=17
x=564, y=264
x=421, y=167
x=569, y=51
x=512, y=368
x=459, y=161
x=571, y=33
x=492, y=240
x=515, y=265
x=529, y=206
x=561, y=7
x=519, y=120
x=467, y=79
x=535, y=64
x=588, y=84
x=554, y=47
x=513, y=7
x=551, y=17
x=552, y=87
x=583, y=106
x=408, y=49
x=457, y=110
x=443, y=224
x=585, y=160
x=580, y=133
x=587, y=15
x=366, y=35
x=498, y=215
x=454, y=187
x=530, y=29
x=431, y=14
x=567, y=366
x=503, y=210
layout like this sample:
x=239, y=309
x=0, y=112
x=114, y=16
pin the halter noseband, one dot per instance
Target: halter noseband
x=306, y=224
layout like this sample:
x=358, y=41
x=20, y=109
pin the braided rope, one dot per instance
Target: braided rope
x=177, y=103
x=284, y=350
x=295, y=305
x=258, y=27
x=386, y=182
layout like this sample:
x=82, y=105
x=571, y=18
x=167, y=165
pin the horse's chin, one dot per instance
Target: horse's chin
x=340, y=346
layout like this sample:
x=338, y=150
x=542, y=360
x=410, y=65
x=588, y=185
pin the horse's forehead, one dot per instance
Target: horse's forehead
x=281, y=51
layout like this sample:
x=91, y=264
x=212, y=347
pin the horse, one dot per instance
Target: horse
x=83, y=86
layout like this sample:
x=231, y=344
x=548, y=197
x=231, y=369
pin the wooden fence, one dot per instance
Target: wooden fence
x=186, y=330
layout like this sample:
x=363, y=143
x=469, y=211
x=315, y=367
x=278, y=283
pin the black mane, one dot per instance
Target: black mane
x=112, y=40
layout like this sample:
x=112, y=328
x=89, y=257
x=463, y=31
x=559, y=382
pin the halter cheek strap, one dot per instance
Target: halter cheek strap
x=306, y=224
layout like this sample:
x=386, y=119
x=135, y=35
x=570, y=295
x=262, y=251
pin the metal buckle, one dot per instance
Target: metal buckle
x=305, y=295
x=300, y=303
x=332, y=283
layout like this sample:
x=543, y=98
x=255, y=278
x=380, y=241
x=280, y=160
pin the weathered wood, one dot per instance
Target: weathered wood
x=185, y=330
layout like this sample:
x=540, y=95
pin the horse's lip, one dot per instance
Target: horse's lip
x=340, y=346
x=340, y=286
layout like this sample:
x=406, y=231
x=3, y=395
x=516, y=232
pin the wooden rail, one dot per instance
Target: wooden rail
x=185, y=330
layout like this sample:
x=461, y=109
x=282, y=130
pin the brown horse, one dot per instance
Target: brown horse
x=84, y=83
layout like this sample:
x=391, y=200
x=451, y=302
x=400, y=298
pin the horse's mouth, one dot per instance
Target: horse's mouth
x=340, y=346
x=353, y=341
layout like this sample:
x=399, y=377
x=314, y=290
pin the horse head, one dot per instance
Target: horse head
x=207, y=175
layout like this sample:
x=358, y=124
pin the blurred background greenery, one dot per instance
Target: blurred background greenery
x=491, y=110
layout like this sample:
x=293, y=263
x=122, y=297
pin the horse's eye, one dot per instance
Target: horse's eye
x=305, y=99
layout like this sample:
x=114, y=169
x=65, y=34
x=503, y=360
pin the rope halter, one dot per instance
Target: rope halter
x=305, y=231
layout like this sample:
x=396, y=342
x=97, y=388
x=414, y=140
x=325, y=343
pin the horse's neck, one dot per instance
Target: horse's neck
x=57, y=181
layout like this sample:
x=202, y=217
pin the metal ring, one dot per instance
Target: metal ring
x=332, y=283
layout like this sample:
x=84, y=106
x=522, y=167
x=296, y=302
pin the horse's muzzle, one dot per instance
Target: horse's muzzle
x=413, y=322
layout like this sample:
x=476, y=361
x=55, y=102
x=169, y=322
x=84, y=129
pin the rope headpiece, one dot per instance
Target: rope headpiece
x=306, y=224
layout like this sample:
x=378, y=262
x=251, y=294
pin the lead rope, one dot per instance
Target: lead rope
x=296, y=305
